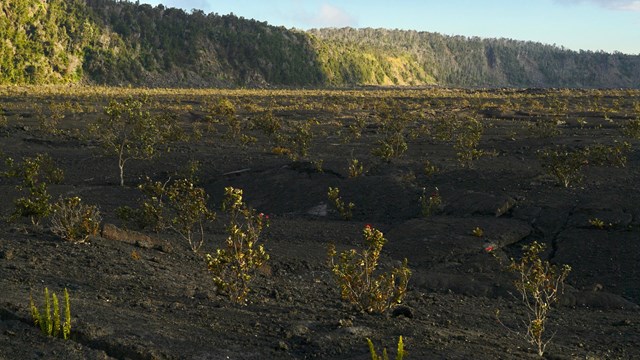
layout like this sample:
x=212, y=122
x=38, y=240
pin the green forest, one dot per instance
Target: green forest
x=111, y=42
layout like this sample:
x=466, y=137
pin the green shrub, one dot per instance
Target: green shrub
x=355, y=168
x=267, y=123
x=130, y=131
x=178, y=205
x=74, y=221
x=297, y=138
x=544, y=128
x=358, y=284
x=632, y=129
x=233, y=266
x=566, y=165
x=539, y=283
x=345, y=209
x=608, y=155
x=34, y=175
x=393, y=124
x=430, y=204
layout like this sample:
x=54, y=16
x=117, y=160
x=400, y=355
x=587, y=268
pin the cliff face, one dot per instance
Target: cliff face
x=109, y=42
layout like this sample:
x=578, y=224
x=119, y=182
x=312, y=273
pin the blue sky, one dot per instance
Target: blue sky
x=609, y=25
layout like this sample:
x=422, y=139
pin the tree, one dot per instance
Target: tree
x=130, y=131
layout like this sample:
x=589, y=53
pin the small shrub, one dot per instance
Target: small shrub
x=355, y=129
x=466, y=140
x=477, y=232
x=544, y=128
x=430, y=204
x=429, y=168
x=539, y=283
x=267, y=123
x=233, y=267
x=598, y=223
x=608, y=155
x=345, y=209
x=34, y=175
x=4, y=122
x=74, y=221
x=298, y=139
x=393, y=125
x=400, y=353
x=318, y=165
x=632, y=129
x=49, y=124
x=355, y=168
x=392, y=146
x=354, y=273
x=279, y=150
x=178, y=205
x=51, y=325
x=566, y=165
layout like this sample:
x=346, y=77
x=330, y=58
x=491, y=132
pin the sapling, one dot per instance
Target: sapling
x=130, y=131
x=540, y=284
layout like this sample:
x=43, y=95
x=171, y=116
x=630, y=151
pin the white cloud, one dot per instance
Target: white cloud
x=326, y=16
x=330, y=15
x=623, y=5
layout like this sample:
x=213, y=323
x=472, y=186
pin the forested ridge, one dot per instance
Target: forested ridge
x=122, y=43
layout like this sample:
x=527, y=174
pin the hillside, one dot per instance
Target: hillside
x=118, y=43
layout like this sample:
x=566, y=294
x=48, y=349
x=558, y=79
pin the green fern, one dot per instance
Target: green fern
x=385, y=356
x=49, y=325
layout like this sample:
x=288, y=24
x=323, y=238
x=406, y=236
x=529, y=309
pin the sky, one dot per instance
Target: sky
x=608, y=25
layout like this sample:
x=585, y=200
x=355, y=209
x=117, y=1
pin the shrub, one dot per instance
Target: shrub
x=374, y=355
x=354, y=273
x=51, y=325
x=608, y=155
x=297, y=139
x=539, y=283
x=345, y=210
x=355, y=168
x=393, y=123
x=465, y=135
x=178, y=205
x=224, y=111
x=467, y=138
x=430, y=204
x=355, y=129
x=544, y=128
x=130, y=131
x=632, y=129
x=598, y=223
x=233, y=266
x=477, y=232
x=34, y=175
x=49, y=124
x=267, y=123
x=4, y=122
x=564, y=164
x=74, y=221
x=429, y=168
